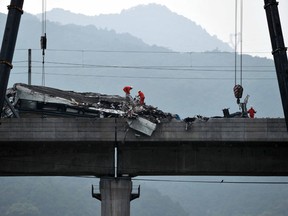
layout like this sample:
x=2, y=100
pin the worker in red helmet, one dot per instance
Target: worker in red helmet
x=141, y=97
x=251, y=112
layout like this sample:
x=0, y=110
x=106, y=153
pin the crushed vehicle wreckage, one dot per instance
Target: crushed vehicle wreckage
x=28, y=101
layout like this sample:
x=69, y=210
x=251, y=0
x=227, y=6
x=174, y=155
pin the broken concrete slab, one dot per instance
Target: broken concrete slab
x=142, y=125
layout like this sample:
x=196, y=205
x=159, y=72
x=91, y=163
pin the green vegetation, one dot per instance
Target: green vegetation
x=58, y=196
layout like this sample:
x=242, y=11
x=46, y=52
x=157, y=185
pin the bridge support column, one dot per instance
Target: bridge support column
x=115, y=196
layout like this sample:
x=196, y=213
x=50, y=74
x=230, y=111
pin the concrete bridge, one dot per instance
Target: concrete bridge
x=108, y=148
x=71, y=146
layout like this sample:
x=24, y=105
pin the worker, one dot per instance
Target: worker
x=127, y=90
x=141, y=97
x=251, y=112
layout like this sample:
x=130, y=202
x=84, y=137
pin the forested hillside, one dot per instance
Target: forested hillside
x=58, y=196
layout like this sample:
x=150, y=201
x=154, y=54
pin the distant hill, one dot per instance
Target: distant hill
x=154, y=24
x=86, y=58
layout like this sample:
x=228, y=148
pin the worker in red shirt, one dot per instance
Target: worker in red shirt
x=127, y=89
x=251, y=112
x=141, y=97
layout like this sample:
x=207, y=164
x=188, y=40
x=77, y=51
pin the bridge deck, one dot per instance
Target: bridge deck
x=102, y=130
x=71, y=146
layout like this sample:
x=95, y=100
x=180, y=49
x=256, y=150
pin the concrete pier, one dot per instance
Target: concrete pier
x=115, y=196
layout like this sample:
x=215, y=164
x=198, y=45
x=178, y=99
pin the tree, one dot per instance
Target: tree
x=22, y=209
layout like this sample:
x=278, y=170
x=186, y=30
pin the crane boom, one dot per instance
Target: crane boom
x=8, y=45
x=279, y=51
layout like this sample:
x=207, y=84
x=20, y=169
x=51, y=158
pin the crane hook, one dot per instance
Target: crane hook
x=238, y=91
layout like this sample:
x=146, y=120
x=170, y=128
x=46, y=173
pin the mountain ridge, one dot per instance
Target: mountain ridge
x=154, y=24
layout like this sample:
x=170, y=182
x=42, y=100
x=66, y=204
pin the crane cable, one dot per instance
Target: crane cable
x=43, y=40
x=238, y=89
x=235, y=40
x=241, y=40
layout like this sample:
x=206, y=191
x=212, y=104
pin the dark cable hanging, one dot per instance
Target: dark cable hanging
x=43, y=40
x=238, y=89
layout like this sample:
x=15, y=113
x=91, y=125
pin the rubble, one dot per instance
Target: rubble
x=31, y=101
x=191, y=120
x=40, y=101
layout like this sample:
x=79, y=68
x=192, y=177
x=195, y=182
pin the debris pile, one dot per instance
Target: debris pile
x=40, y=101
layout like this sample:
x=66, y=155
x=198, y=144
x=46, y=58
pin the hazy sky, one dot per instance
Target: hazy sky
x=217, y=17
